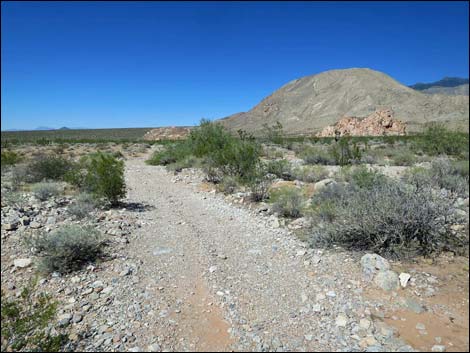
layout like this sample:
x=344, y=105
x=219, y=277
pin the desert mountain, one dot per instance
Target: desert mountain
x=450, y=91
x=445, y=82
x=309, y=104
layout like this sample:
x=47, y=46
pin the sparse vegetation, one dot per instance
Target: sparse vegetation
x=438, y=140
x=25, y=320
x=45, y=190
x=280, y=168
x=67, y=249
x=83, y=206
x=287, y=202
x=274, y=133
x=390, y=218
x=310, y=174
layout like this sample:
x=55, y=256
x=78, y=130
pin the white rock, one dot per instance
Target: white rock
x=22, y=263
x=438, y=348
x=212, y=269
x=372, y=264
x=341, y=320
x=404, y=278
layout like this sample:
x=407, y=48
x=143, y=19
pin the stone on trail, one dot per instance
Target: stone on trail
x=22, y=263
x=387, y=280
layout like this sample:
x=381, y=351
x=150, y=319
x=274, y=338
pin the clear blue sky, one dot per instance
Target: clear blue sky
x=141, y=64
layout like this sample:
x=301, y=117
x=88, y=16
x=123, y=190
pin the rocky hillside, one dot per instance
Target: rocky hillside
x=309, y=104
x=450, y=91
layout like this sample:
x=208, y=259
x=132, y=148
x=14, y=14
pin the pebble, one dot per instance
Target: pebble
x=22, y=263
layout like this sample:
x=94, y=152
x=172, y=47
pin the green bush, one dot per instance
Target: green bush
x=258, y=184
x=25, y=321
x=438, y=140
x=67, y=249
x=404, y=157
x=49, y=168
x=287, y=202
x=46, y=190
x=171, y=154
x=9, y=158
x=274, y=133
x=390, y=218
x=317, y=155
x=346, y=151
x=362, y=176
x=220, y=152
x=105, y=177
x=280, y=168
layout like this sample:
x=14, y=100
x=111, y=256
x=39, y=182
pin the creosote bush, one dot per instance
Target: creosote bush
x=388, y=217
x=9, y=158
x=67, y=249
x=105, y=177
x=310, y=174
x=438, y=140
x=25, y=320
x=220, y=153
x=287, y=202
x=280, y=168
x=49, y=168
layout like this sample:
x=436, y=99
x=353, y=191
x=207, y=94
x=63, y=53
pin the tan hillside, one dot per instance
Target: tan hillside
x=309, y=104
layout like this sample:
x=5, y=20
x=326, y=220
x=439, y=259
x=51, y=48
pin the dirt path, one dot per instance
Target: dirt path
x=213, y=276
x=218, y=278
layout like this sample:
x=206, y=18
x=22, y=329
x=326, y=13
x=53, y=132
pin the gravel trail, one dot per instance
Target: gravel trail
x=218, y=277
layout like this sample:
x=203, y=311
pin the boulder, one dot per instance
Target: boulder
x=372, y=264
x=387, y=280
x=324, y=183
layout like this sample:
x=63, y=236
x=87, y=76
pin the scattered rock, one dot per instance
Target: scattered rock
x=22, y=263
x=404, y=278
x=372, y=264
x=438, y=348
x=387, y=280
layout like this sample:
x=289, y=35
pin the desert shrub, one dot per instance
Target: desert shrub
x=25, y=322
x=390, y=218
x=171, y=154
x=67, y=249
x=20, y=174
x=280, y=168
x=84, y=205
x=317, y=155
x=362, y=176
x=274, y=133
x=187, y=162
x=14, y=198
x=442, y=174
x=438, y=140
x=9, y=158
x=403, y=157
x=228, y=185
x=105, y=177
x=310, y=174
x=49, y=168
x=287, y=202
x=259, y=184
x=45, y=190
x=221, y=152
x=346, y=151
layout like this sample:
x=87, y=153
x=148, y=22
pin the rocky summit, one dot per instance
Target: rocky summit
x=310, y=104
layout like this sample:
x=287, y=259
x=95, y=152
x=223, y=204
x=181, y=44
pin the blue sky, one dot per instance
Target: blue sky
x=141, y=64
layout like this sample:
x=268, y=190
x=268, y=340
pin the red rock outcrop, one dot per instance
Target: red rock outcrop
x=379, y=123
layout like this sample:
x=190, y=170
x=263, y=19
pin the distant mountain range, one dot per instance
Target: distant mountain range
x=45, y=128
x=445, y=82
